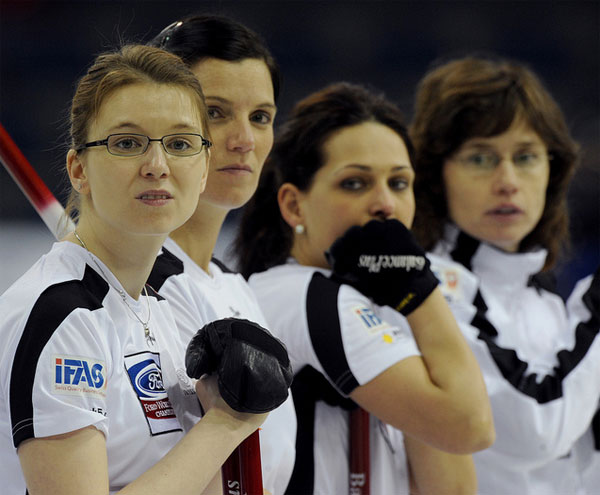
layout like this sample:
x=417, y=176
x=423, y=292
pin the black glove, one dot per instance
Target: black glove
x=383, y=261
x=253, y=368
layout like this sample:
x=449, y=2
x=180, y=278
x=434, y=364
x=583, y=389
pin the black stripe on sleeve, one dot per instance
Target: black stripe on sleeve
x=165, y=266
x=510, y=365
x=49, y=311
x=326, y=333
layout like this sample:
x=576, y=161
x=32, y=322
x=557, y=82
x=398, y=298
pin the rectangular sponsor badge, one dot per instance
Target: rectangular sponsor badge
x=76, y=375
x=145, y=374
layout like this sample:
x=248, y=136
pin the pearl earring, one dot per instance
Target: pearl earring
x=299, y=229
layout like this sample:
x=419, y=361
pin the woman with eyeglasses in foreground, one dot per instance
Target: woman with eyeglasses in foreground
x=93, y=383
x=241, y=82
x=495, y=159
x=377, y=332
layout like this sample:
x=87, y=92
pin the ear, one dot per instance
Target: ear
x=289, y=198
x=76, y=171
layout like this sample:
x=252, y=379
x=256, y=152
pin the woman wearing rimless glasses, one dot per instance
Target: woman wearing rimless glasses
x=494, y=159
x=95, y=398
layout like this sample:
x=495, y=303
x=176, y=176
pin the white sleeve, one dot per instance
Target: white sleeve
x=71, y=377
x=353, y=339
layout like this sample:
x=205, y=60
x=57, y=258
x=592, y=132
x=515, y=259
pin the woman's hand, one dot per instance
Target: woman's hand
x=207, y=389
x=383, y=261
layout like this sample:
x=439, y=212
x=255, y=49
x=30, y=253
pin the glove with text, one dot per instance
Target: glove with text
x=253, y=368
x=383, y=261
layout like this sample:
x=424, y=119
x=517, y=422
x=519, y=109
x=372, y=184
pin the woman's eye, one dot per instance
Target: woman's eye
x=482, y=160
x=352, y=184
x=179, y=144
x=214, y=113
x=399, y=184
x=261, y=118
x=526, y=159
x=127, y=143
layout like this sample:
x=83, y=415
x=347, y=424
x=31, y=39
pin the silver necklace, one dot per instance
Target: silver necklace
x=149, y=337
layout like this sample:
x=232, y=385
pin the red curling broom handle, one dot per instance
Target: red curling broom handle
x=251, y=467
x=243, y=467
x=360, y=459
x=47, y=206
x=242, y=472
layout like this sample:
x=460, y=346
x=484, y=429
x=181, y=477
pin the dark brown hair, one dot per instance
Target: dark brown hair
x=264, y=239
x=197, y=37
x=481, y=97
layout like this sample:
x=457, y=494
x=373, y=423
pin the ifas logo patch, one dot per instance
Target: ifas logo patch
x=74, y=375
x=145, y=374
x=375, y=325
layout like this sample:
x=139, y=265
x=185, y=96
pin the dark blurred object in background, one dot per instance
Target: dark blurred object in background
x=45, y=46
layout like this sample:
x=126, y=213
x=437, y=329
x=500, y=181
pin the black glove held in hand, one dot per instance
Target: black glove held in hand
x=252, y=366
x=383, y=261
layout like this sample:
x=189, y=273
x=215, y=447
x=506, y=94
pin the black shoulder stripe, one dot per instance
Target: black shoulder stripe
x=165, y=266
x=221, y=265
x=543, y=281
x=325, y=331
x=515, y=370
x=464, y=250
x=49, y=311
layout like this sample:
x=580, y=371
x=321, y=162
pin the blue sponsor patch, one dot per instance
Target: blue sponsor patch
x=369, y=318
x=75, y=375
x=146, y=377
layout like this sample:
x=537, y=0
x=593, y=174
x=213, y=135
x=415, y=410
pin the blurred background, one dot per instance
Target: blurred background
x=45, y=46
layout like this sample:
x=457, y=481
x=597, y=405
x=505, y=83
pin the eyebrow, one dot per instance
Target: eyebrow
x=228, y=102
x=368, y=168
x=480, y=144
x=130, y=125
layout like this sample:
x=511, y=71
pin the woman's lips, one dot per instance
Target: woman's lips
x=155, y=198
x=236, y=169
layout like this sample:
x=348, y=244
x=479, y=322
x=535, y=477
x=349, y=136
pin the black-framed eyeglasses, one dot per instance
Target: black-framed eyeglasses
x=184, y=144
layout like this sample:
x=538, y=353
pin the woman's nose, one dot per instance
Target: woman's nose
x=382, y=202
x=505, y=179
x=241, y=138
x=155, y=161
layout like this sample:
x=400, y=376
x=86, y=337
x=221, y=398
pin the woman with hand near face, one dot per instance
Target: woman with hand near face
x=240, y=80
x=93, y=383
x=495, y=159
x=339, y=180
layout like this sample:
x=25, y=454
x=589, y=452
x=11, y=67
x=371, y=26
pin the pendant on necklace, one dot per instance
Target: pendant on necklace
x=149, y=337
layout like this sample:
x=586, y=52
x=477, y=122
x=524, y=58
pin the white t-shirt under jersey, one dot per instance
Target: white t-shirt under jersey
x=73, y=355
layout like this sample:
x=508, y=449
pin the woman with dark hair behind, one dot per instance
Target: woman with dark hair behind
x=241, y=82
x=494, y=159
x=339, y=179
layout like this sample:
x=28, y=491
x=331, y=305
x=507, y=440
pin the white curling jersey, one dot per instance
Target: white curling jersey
x=74, y=355
x=198, y=298
x=583, y=307
x=337, y=339
x=542, y=371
